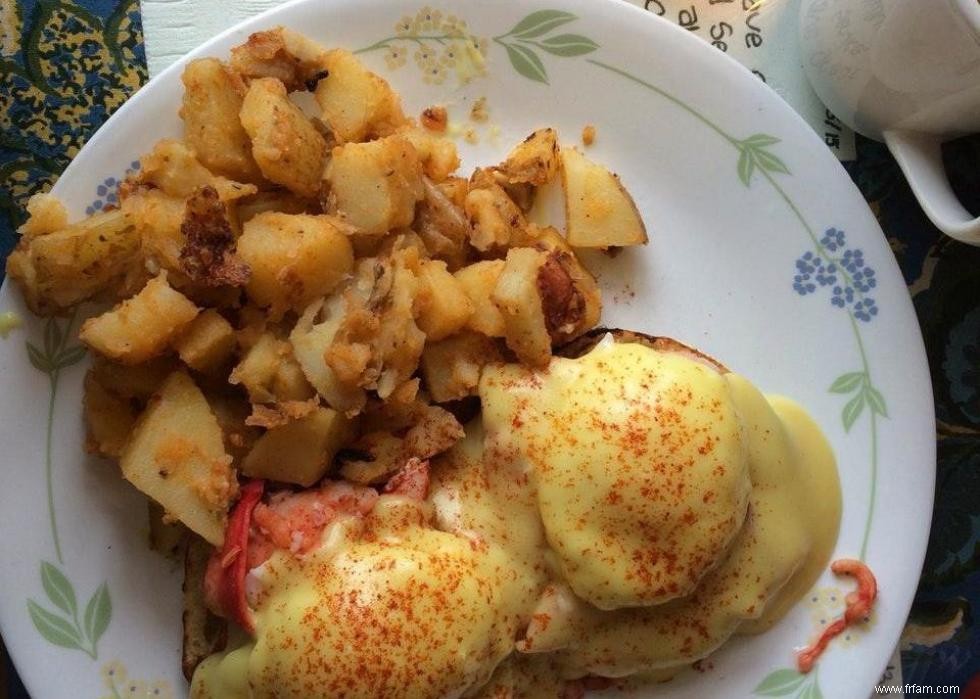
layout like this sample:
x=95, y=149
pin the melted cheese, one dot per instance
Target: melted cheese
x=540, y=527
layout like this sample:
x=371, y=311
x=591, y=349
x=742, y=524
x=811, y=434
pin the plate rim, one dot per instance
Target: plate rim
x=694, y=44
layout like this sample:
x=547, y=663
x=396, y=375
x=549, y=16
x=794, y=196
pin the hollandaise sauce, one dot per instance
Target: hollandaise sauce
x=624, y=512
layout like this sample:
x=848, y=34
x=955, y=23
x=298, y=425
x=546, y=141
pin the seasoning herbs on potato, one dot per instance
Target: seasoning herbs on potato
x=298, y=283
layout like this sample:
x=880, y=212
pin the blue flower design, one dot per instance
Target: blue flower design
x=107, y=192
x=842, y=270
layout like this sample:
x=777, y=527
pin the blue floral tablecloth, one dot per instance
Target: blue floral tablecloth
x=67, y=65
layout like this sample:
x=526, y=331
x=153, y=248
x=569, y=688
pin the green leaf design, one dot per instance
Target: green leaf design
x=53, y=628
x=52, y=337
x=760, y=139
x=853, y=409
x=812, y=691
x=527, y=63
x=540, y=22
x=70, y=356
x=58, y=589
x=780, y=682
x=38, y=359
x=569, y=45
x=746, y=165
x=752, y=153
x=768, y=161
x=847, y=383
x=877, y=401
x=98, y=612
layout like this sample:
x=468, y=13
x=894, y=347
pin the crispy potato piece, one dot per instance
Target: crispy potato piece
x=452, y=367
x=437, y=153
x=375, y=185
x=264, y=55
x=141, y=327
x=397, y=344
x=270, y=373
x=455, y=189
x=599, y=212
x=173, y=167
x=495, y=220
x=203, y=632
x=176, y=456
x=283, y=54
x=287, y=147
x=158, y=218
x=433, y=431
x=207, y=343
x=294, y=259
x=478, y=281
x=518, y=297
x=384, y=454
x=569, y=311
x=109, y=418
x=356, y=103
x=443, y=226
x=301, y=451
x=166, y=535
x=207, y=256
x=59, y=269
x=311, y=339
x=447, y=308
x=212, y=103
x=534, y=161
x=279, y=414
x=436, y=431
x=45, y=214
x=365, y=337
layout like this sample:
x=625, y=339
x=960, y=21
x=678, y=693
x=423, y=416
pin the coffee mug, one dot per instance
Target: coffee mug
x=906, y=72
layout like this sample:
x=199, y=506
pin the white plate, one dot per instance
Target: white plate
x=736, y=189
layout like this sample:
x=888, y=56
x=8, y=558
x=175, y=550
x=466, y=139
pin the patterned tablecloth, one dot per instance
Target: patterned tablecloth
x=66, y=65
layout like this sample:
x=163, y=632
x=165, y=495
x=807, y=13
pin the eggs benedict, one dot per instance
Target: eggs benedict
x=626, y=510
x=386, y=606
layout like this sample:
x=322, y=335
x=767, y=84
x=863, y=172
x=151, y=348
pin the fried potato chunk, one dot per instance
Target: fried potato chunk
x=534, y=161
x=207, y=343
x=452, y=367
x=141, y=327
x=177, y=457
x=58, y=269
x=478, y=281
x=286, y=145
x=212, y=103
x=495, y=220
x=447, y=308
x=283, y=54
x=356, y=103
x=294, y=259
x=519, y=299
x=300, y=451
x=599, y=212
x=375, y=185
x=173, y=167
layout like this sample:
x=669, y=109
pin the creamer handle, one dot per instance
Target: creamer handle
x=920, y=157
